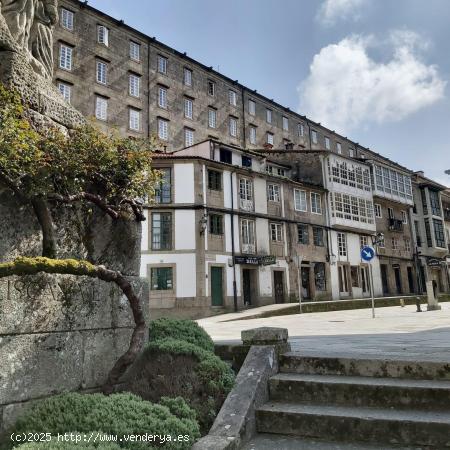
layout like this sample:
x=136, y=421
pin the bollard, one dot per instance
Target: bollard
x=418, y=304
x=402, y=303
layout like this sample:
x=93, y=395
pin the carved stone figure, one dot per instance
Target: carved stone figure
x=30, y=23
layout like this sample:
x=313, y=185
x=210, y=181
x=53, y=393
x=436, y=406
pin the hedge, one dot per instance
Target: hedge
x=184, y=330
x=118, y=414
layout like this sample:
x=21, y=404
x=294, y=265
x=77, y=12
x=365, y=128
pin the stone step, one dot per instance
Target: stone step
x=295, y=362
x=267, y=441
x=343, y=423
x=360, y=391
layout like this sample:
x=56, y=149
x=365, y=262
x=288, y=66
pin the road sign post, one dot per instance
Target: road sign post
x=367, y=254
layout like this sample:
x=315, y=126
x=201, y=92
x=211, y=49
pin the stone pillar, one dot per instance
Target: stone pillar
x=277, y=337
x=433, y=303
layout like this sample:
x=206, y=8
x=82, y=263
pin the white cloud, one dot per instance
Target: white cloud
x=333, y=10
x=346, y=87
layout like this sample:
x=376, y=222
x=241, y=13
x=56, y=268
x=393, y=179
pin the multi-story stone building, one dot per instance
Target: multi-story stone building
x=231, y=228
x=209, y=123
x=445, y=195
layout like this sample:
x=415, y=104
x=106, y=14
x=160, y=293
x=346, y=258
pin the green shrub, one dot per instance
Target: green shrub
x=171, y=367
x=184, y=330
x=118, y=414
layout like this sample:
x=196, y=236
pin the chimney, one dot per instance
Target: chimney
x=420, y=173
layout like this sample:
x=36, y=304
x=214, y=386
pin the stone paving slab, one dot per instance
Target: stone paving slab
x=396, y=332
x=281, y=442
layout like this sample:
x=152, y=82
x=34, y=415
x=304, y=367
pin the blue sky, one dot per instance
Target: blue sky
x=374, y=70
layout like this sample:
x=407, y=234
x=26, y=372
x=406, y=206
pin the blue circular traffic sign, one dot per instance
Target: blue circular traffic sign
x=367, y=253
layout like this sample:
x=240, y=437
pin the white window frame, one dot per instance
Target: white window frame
x=162, y=97
x=363, y=241
x=339, y=148
x=342, y=244
x=252, y=107
x=404, y=217
x=212, y=118
x=273, y=192
x=300, y=200
x=189, y=137
x=67, y=17
x=269, y=138
x=394, y=243
x=162, y=64
x=314, y=137
x=65, y=90
x=285, y=123
x=65, y=57
x=327, y=143
x=135, y=51
x=300, y=129
x=134, y=85
x=232, y=97
x=163, y=129
x=407, y=244
x=187, y=76
x=211, y=88
x=101, y=108
x=378, y=211
x=233, y=126
x=103, y=35
x=316, y=204
x=188, y=108
x=135, y=119
x=246, y=189
x=252, y=135
x=269, y=115
x=351, y=152
x=248, y=232
x=276, y=232
x=101, y=72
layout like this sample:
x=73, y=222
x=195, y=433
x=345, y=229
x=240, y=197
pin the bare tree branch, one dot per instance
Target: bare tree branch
x=45, y=219
x=31, y=266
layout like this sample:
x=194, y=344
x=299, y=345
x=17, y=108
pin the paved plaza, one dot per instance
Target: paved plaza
x=395, y=332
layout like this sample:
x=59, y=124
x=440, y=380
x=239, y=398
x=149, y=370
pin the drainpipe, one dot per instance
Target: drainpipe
x=233, y=252
x=309, y=134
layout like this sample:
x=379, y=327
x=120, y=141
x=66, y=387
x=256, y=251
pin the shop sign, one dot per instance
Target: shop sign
x=434, y=262
x=255, y=260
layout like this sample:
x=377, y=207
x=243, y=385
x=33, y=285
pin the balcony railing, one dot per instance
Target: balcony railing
x=395, y=225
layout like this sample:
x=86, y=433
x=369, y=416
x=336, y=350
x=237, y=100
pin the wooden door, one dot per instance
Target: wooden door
x=216, y=286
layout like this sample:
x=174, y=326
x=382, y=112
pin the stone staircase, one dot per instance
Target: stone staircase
x=381, y=403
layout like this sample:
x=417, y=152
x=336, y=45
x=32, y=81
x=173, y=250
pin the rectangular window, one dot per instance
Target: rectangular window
x=276, y=232
x=314, y=136
x=187, y=77
x=163, y=129
x=394, y=243
x=162, y=64
x=251, y=107
x=246, y=161
x=407, y=244
x=212, y=118
x=351, y=152
x=327, y=143
x=65, y=57
x=248, y=234
x=391, y=213
x=363, y=241
x=269, y=138
x=102, y=35
x=232, y=97
x=162, y=97
x=300, y=203
x=319, y=277
x=66, y=91
x=404, y=217
x=211, y=88
x=316, y=203
x=435, y=203
x=135, y=119
x=318, y=236
x=66, y=19
x=233, y=127
x=161, y=231
x=245, y=189
x=342, y=244
x=285, y=123
x=428, y=233
x=273, y=192
x=268, y=115
x=214, y=180
x=343, y=279
x=101, y=108
x=163, y=189
x=188, y=137
x=102, y=72
x=215, y=224
x=161, y=278
x=188, y=108
x=378, y=211
x=418, y=235
x=339, y=148
x=300, y=130
x=226, y=156
x=354, y=275
x=252, y=135
x=134, y=85
x=135, y=51
x=439, y=233
x=303, y=234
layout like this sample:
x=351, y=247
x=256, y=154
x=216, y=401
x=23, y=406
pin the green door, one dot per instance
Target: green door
x=216, y=286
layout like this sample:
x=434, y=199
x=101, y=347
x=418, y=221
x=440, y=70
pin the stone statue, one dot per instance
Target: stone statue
x=30, y=23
